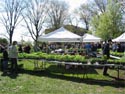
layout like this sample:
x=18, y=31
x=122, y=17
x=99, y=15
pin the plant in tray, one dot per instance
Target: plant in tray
x=93, y=60
x=32, y=56
x=78, y=58
x=110, y=61
x=84, y=61
x=69, y=58
x=119, y=54
x=123, y=58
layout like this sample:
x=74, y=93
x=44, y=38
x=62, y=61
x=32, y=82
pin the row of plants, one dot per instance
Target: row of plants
x=55, y=57
x=67, y=58
x=114, y=53
x=119, y=54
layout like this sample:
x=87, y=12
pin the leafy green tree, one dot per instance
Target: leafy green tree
x=109, y=24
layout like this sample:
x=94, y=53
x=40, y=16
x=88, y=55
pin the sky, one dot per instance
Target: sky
x=75, y=3
x=18, y=34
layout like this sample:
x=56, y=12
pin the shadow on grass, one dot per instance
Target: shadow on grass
x=61, y=73
x=11, y=75
x=73, y=70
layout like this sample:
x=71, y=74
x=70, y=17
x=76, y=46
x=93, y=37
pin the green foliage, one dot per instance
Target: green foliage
x=3, y=41
x=99, y=60
x=116, y=61
x=78, y=58
x=74, y=29
x=95, y=22
x=119, y=54
x=77, y=30
x=68, y=58
x=123, y=59
x=108, y=24
x=28, y=56
x=1, y=55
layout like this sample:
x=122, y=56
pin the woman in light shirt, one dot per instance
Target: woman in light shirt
x=13, y=55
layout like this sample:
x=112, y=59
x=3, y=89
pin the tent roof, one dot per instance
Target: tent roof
x=90, y=38
x=60, y=35
x=121, y=38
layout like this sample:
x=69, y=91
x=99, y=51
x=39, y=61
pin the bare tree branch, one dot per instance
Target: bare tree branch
x=34, y=17
x=11, y=14
x=58, y=13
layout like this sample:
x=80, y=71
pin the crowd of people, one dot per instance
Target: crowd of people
x=105, y=46
x=11, y=52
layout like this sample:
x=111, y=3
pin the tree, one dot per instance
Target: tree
x=85, y=14
x=72, y=20
x=58, y=12
x=122, y=4
x=88, y=10
x=101, y=4
x=11, y=16
x=109, y=24
x=35, y=17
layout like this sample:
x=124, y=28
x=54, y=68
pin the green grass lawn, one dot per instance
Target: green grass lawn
x=57, y=80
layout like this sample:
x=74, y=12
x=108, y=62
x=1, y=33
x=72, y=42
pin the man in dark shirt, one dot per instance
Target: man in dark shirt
x=5, y=60
x=106, y=51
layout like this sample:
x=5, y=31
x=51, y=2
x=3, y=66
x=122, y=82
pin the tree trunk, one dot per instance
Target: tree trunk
x=10, y=38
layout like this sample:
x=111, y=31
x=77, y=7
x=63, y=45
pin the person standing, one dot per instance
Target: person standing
x=106, y=51
x=20, y=49
x=5, y=60
x=88, y=49
x=13, y=55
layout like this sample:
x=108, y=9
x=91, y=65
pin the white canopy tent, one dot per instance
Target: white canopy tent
x=121, y=38
x=90, y=38
x=60, y=35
